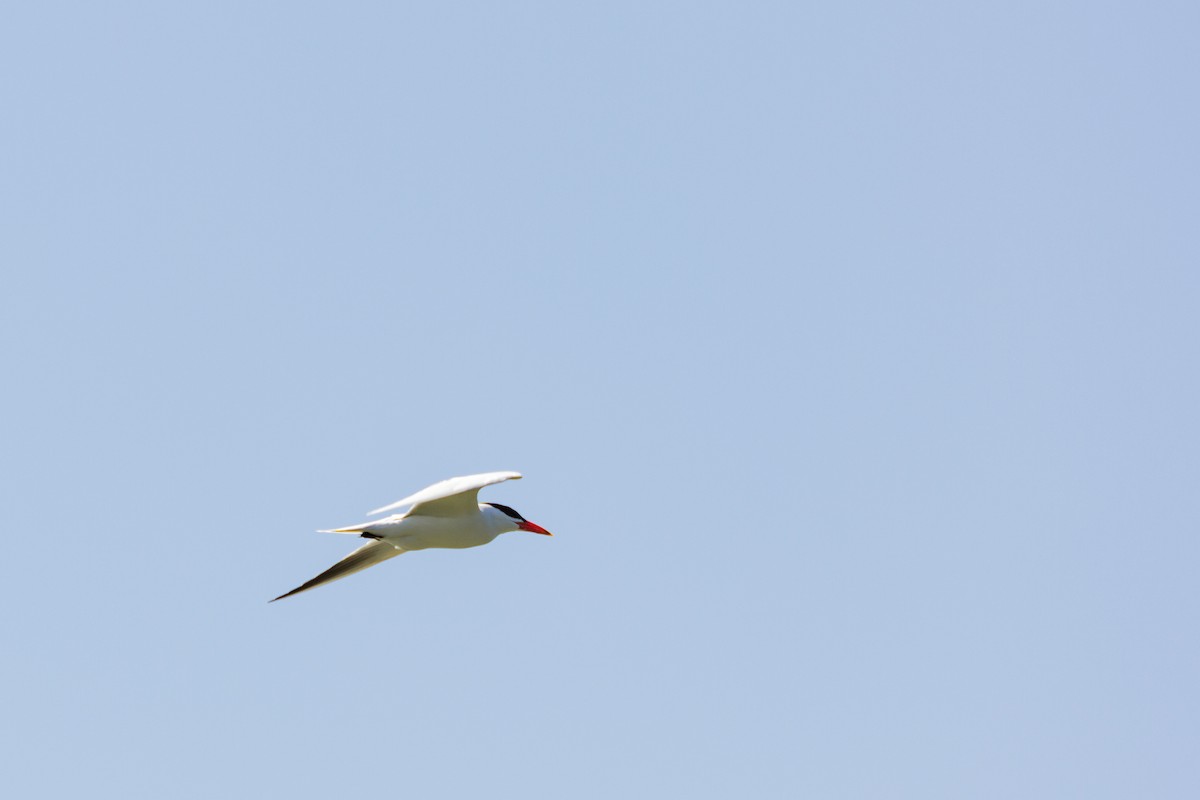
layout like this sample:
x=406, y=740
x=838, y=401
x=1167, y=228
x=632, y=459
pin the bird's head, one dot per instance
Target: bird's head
x=511, y=520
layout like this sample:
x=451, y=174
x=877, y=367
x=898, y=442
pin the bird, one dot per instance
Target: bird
x=447, y=514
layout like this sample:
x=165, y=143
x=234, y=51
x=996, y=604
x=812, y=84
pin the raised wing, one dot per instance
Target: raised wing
x=450, y=498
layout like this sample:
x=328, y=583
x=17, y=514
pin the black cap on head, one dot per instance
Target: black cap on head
x=512, y=512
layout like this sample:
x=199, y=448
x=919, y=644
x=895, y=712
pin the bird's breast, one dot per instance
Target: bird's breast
x=421, y=533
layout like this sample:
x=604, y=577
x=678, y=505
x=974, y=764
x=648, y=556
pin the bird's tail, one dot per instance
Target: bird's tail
x=350, y=529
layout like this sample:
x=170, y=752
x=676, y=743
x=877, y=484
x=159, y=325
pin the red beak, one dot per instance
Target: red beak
x=526, y=525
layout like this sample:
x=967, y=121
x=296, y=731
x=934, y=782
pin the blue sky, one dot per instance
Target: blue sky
x=849, y=352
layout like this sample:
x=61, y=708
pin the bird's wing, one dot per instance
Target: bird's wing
x=366, y=556
x=452, y=497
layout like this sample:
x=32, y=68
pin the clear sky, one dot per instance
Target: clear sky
x=849, y=350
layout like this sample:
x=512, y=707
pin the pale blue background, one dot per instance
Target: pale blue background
x=849, y=349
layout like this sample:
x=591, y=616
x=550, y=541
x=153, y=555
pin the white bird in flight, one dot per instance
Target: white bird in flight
x=446, y=514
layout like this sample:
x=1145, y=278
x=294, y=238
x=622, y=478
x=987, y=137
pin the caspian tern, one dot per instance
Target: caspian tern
x=446, y=514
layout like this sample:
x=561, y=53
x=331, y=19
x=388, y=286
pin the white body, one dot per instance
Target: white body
x=414, y=531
